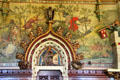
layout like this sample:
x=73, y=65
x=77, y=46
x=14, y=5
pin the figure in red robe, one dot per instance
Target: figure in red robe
x=73, y=25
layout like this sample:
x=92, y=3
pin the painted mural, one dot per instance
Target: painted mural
x=79, y=20
x=50, y=57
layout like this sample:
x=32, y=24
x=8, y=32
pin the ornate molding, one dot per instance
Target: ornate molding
x=15, y=72
x=35, y=41
x=85, y=72
x=72, y=73
x=113, y=73
x=116, y=75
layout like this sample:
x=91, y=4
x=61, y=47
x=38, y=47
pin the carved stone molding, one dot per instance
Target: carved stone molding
x=115, y=73
x=71, y=73
x=15, y=72
x=87, y=72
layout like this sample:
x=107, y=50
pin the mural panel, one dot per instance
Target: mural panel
x=50, y=57
x=78, y=20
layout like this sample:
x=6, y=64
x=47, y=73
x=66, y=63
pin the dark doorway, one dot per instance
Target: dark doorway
x=49, y=75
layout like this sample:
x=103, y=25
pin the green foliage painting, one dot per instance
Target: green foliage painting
x=26, y=17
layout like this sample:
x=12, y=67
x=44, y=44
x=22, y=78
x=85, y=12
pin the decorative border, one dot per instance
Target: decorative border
x=15, y=72
x=72, y=73
x=66, y=2
x=44, y=35
x=56, y=42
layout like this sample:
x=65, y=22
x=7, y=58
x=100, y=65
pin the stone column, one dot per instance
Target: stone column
x=115, y=42
x=34, y=73
x=116, y=49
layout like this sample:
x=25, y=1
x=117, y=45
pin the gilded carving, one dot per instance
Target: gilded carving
x=24, y=45
x=60, y=31
x=31, y=36
x=76, y=45
x=39, y=31
x=68, y=37
x=20, y=56
x=76, y=63
x=22, y=65
x=79, y=57
x=116, y=75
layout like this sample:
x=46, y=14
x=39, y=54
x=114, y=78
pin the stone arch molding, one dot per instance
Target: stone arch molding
x=65, y=58
x=45, y=42
x=50, y=38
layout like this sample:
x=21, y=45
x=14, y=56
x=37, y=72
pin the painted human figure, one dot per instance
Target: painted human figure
x=50, y=61
x=48, y=58
x=14, y=34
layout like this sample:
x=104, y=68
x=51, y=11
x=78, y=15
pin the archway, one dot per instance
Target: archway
x=49, y=46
